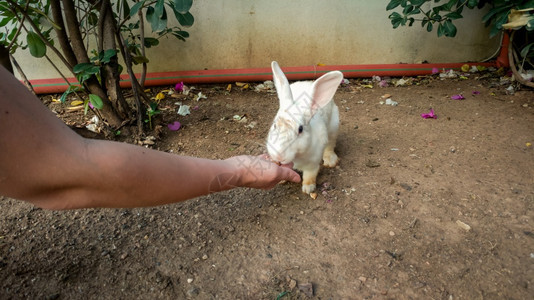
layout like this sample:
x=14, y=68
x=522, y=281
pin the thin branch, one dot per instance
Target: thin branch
x=20, y=27
x=22, y=74
x=38, y=32
x=142, y=38
x=511, y=59
x=135, y=90
x=61, y=34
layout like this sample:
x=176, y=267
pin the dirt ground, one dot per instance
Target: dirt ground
x=417, y=208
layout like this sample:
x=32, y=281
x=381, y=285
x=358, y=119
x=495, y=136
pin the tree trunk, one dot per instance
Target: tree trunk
x=78, y=47
x=110, y=71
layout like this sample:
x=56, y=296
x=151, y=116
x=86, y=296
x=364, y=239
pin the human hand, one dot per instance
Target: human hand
x=260, y=172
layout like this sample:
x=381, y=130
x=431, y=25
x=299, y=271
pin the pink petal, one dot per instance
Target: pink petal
x=476, y=92
x=429, y=115
x=435, y=71
x=179, y=87
x=174, y=126
x=458, y=97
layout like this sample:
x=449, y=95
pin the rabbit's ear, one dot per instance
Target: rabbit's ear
x=282, y=86
x=324, y=89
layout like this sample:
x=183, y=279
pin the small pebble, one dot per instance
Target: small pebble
x=189, y=280
x=463, y=225
x=391, y=233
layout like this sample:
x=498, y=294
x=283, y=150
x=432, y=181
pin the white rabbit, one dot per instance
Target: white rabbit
x=305, y=128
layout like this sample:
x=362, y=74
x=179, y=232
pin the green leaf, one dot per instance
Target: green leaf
x=392, y=4
x=157, y=23
x=85, y=68
x=525, y=51
x=441, y=30
x=139, y=59
x=135, y=9
x=108, y=54
x=449, y=28
x=453, y=15
x=96, y=101
x=418, y=2
x=185, y=20
x=159, y=8
x=407, y=10
x=494, y=12
x=92, y=18
x=37, y=46
x=472, y=3
x=183, y=6
x=125, y=8
x=396, y=19
x=4, y=21
x=429, y=27
x=149, y=42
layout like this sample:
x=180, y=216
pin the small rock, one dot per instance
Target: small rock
x=193, y=292
x=463, y=225
x=406, y=186
x=362, y=279
x=307, y=289
x=313, y=196
x=372, y=164
x=204, y=257
x=292, y=284
x=189, y=280
x=391, y=102
x=391, y=233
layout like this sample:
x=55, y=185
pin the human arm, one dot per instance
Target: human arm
x=44, y=162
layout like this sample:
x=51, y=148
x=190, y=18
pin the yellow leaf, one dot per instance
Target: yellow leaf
x=369, y=86
x=147, y=90
x=463, y=77
x=240, y=84
x=465, y=68
x=518, y=18
x=320, y=65
x=55, y=100
x=160, y=96
x=229, y=87
x=244, y=87
x=76, y=103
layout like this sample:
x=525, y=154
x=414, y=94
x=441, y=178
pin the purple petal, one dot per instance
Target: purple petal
x=383, y=83
x=476, y=92
x=91, y=105
x=435, y=71
x=458, y=97
x=179, y=87
x=430, y=115
x=174, y=126
x=195, y=108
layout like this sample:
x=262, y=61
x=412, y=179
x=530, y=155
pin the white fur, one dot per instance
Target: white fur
x=308, y=104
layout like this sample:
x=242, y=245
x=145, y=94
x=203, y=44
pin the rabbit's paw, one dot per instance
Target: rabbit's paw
x=330, y=159
x=308, y=188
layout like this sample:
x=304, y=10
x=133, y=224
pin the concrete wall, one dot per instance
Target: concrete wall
x=249, y=34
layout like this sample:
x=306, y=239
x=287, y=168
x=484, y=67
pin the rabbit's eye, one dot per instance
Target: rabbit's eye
x=300, y=129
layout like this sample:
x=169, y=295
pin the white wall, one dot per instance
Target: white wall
x=249, y=34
